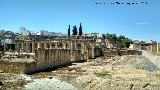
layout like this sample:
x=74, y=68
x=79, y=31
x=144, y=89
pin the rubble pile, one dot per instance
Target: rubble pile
x=12, y=81
x=12, y=56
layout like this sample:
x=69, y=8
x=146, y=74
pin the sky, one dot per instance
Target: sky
x=138, y=22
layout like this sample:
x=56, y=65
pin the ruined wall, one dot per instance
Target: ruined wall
x=86, y=53
x=98, y=51
x=154, y=47
x=46, y=58
x=54, y=53
x=121, y=52
x=77, y=55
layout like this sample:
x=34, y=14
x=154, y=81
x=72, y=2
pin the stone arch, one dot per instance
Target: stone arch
x=53, y=45
x=79, y=46
x=42, y=45
x=60, y=45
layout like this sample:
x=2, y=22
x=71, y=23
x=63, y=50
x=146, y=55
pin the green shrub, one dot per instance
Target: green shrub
x=102, y=74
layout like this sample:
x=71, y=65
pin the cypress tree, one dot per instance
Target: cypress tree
x=74, y=30
x=69, y=30
x=80, y=30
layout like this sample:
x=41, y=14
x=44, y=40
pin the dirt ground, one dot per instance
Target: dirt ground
x=115, y=73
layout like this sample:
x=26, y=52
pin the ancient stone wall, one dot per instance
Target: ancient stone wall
x=77, y=55
x=154, y=47
x=121, y=52
x=98, y=51
x=46, y=58
x=50, y=53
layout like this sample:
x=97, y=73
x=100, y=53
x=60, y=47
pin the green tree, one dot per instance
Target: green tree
x=127, y=42
x=80, y=30
x=112, y=37
x=103, y=36
x=69, y=29
x=74, y=30
x=124, y=42
x=121, y=41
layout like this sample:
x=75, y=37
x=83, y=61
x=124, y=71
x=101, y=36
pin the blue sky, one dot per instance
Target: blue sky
x=135, y=21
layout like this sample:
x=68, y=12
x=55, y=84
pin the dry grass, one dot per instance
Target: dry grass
x=11, y=67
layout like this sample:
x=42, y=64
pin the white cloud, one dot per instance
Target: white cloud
x=143, y=23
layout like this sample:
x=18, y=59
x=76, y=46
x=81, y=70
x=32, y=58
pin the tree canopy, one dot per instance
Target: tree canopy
x=80, y=30
x=69, y=29
x=121, y=40
x=74, y=30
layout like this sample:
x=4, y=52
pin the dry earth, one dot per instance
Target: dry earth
x=116, y=73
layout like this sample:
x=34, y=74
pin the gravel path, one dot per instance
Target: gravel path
x=153, y=58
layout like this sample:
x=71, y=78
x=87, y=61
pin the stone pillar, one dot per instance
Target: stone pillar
x=75, y=44
x=27, y=47
x=36, y=45
x=71, y=48
x=22, y=44
x=33, y=47
x=64, y=45
x=50, y=45
x=45, y=45
x=56, y=45
x=39, y=45
x=17, y=46
x=93, y=53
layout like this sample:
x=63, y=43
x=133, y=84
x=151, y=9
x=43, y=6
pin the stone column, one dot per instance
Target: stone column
x=93, y=53
x=64, y=45
x=45, y=45
x=22, y=44
x=71, y=48
x=27, y=47
x=33, y=47
x=75, y=44
x=50, y=45
x=56, y=45
x=39, y=45
x=17, y=46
